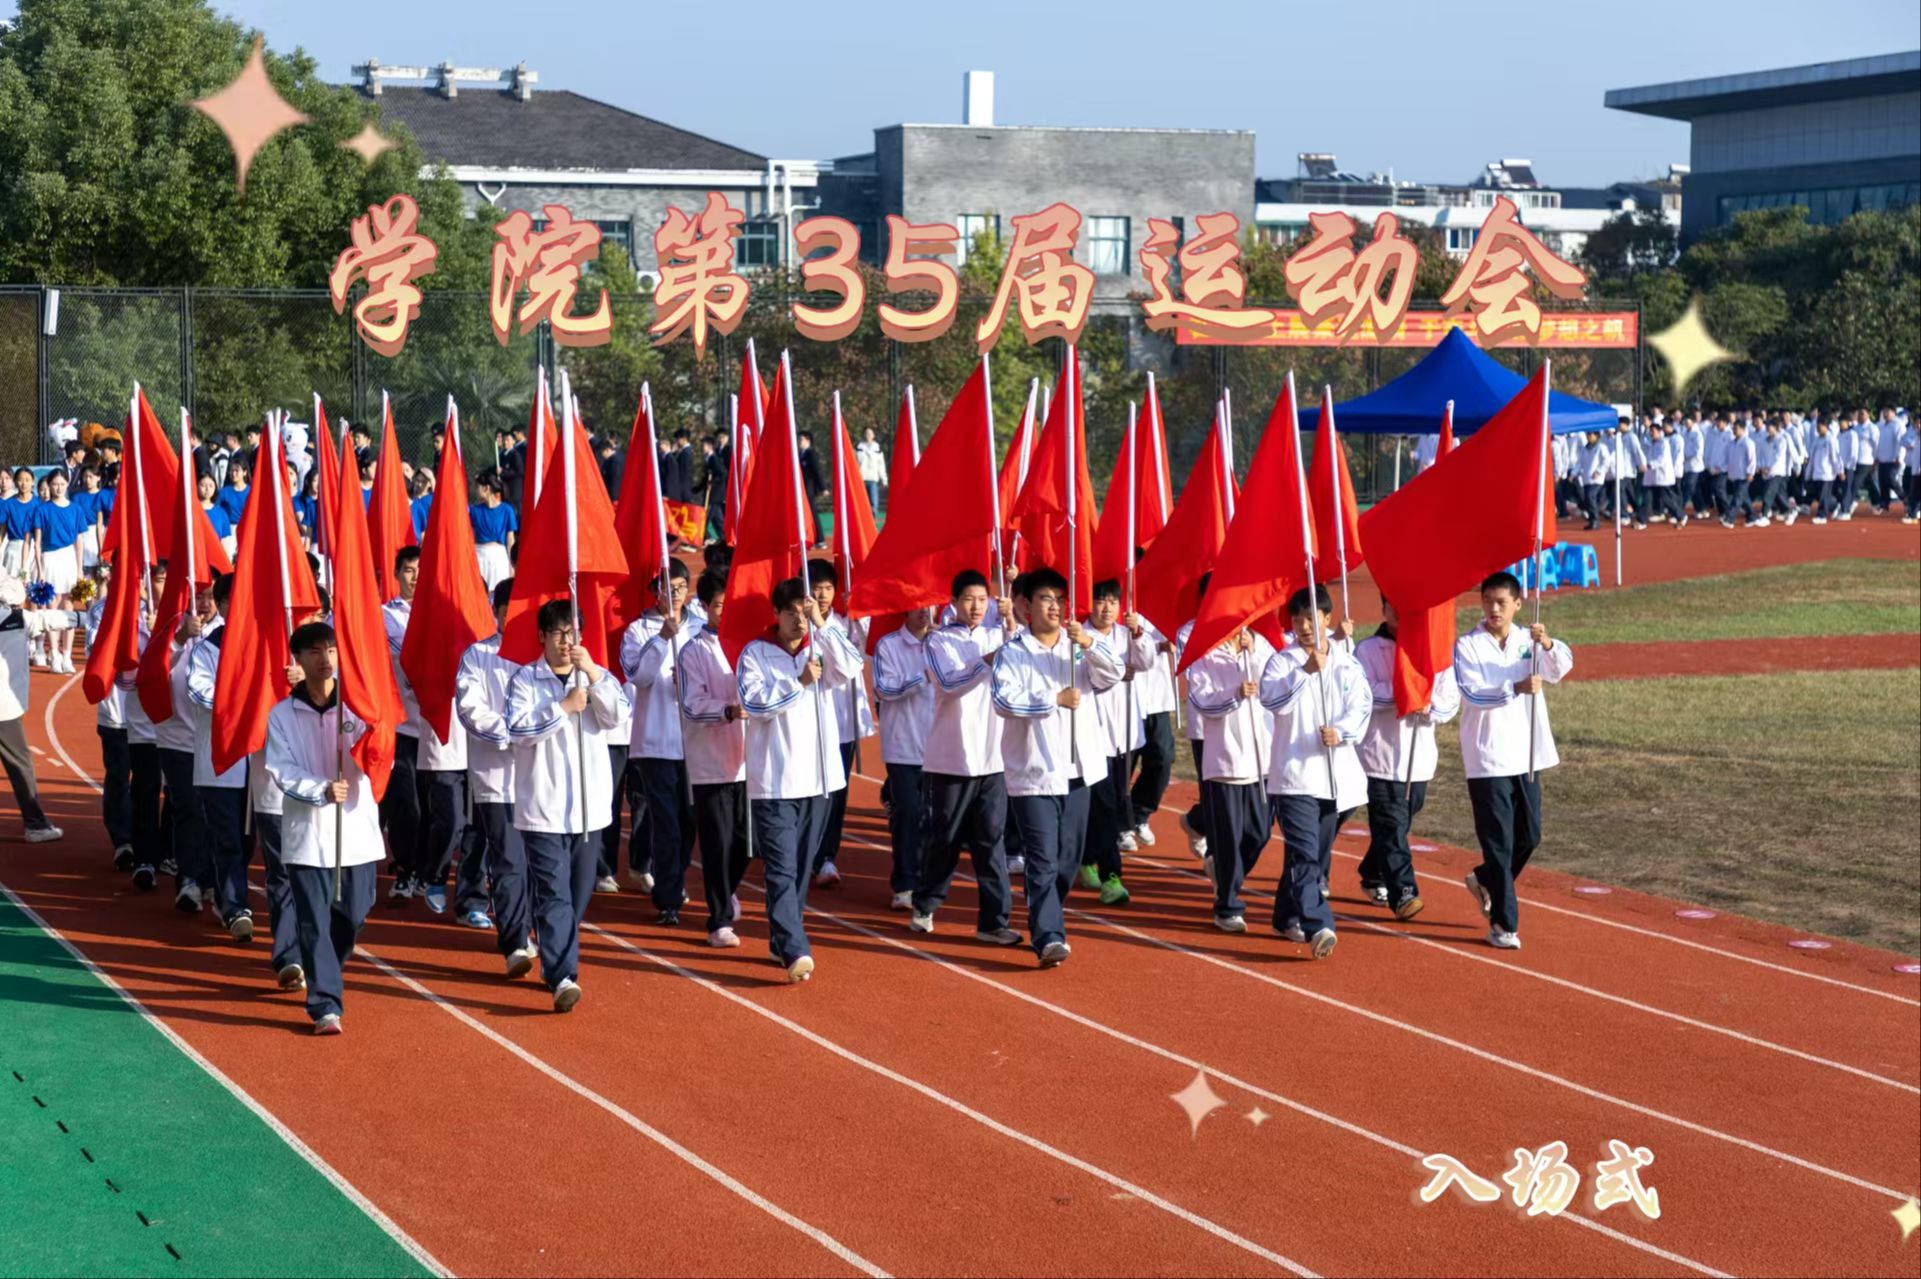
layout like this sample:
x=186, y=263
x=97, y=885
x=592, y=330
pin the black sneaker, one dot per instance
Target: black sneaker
x=402, y=891
x=123, y=857
x=168, y=866
x=668, y=918
x=144, y=878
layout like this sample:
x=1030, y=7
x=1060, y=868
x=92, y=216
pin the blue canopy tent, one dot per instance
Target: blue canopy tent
x=1457, y=370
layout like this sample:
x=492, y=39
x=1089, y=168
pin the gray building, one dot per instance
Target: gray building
x=977, y=175
x=1834, y=137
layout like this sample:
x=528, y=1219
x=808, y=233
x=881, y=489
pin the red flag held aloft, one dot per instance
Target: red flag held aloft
x=390, y=517
x=1056, y=512
x=944, y=520
x=1450, y=526
x=364, y=666
x=194, y=555
x=541, y=435
x=853, y=516
x=1012, y=475
x=1167, y=579
x=1330, y=495
x=130, y=545
x=1424, y=640
x=1265, y=557
x=640, y=519
x=772, y=537
x=326, y=450
x=1156, y=501
x=906, y=457
x=450, y=597
x=750, y=414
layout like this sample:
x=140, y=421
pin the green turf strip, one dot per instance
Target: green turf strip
x=114, y=1146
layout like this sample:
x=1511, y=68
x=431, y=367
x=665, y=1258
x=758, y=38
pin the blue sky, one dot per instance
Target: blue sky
x=816, y=88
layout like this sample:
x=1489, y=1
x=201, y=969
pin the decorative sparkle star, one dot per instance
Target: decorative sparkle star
x=1688, y=347
x=1908, y=1217
x=1198, y=1101
x=368, y=143
x=250, y=111
x=1257, y=1116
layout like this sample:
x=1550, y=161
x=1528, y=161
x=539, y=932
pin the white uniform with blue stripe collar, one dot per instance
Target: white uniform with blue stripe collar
x=1494, y=718
x=1302, y=702
x=906, y=693
x=1390, y=735
x=480, y=699
x=1046, y=745
x=649, y=661
x=965, y=737
x=202, y=676
x=1119, y=722
x=1239, y=732
x=792, y=746
x=716, y=746
x=302, y=752
x=852, y=713
x=563, y=778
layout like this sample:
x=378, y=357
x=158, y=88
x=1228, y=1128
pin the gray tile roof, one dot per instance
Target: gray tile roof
x=557, y=130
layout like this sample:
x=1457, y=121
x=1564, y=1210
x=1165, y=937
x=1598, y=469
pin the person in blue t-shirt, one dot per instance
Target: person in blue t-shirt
x=233, y=497
x=306, y=507
x=16, y=524
x=223, y=525
x=495, y=528
x=57, y=526
x=422, y=502
x=92, y=499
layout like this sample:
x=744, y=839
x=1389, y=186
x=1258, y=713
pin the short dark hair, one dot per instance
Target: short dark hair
x=712, y=585
x=404, y=556
x=819, y=571
x=1502, y=581
x=222, y=587
x=308, y=636
x=720, y=556
x=503, y=592
x=1309, y=599
x=1108, y=590
x=554, y=615
x=788, y=593
x=968, y=577
x=677, y=570
x=1037, y=579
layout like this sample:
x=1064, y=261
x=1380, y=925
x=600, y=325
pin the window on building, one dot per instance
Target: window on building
x=1461, y=238
x=972, y=226
x=1829, y=206
x=1107, y=245
x=759, y=243
x=620, y=231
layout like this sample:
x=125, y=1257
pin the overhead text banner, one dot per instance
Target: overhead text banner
x=1588, y=330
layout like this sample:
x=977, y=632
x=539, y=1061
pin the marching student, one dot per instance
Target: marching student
x=402, y=808
x=793, y=760
x=327, y=814
x=1911, y=455
x=1236, y=814
x=1887, y=467
x=906, y=713
x=1193, y=821
x=152, y=820
x=1321, y=705
x=852, y=714
x=560, y=708
x=222, y=796
x=480, y=699
x=715, y=734
x=1823, y=470
x=1055, y=748
x=1154, y=703
x=195, y=882
x=110, y=724
x=626, y=791
x=1399, y=759
x=1860, y=457
x=962, y=765
x=1594, y=468
x=15, y=696
x=1499, y=674
x=650, y=651
x=1741, y=466
x=1110, y=813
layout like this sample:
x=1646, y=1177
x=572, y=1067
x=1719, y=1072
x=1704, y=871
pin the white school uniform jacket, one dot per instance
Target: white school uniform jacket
x=649, y=663
x=1120, y=723
x=1864, y=444
x=1714, y=448
x=1597, y=463
x=202, y=675
x=1046, y=745
x=1494, y=719
x=434, y=755
x=1384, y=747
x=563, y=778
x=1425, y=449
x=1661, y=469
x=1887, y=442
x=852, y=713
x=1154, y=687
x=480, y=702
x=175, y=733
x=112, y=710
x=1740, y=460
x=301, y=757
x=965, y=738
x=1301, y=703
x=906, y=694
x=1911, y=448
x=1824, y=459
x=716, y=748
x=792, y=751
x=1693, y=448
x=1239, y=731
x=1196, y=730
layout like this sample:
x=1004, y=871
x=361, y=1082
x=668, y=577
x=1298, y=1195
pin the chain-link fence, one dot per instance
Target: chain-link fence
x=230, y=355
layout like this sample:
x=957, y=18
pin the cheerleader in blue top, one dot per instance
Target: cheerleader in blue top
x=495, y=527
x=58, y=524
x=93, y=500
x=16, y=525
x=422, y=501
x=216, y=514
x=306, y=508
x=233, y=498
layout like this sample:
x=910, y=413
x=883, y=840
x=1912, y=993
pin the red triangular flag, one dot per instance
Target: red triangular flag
x=943, y=521
x=1167, y=579
x=750, y=417
x=1424, y=640
x=1055, y=513
x=326, y=451
x=194, y=555
x=1113, y=541
x=129, y=546
x=365, y=669
x=900, y=468
x=853, y=516
x=390, y=519
x=1330, y=495
x=1270, y=543
x=640, y=521
x=772, y=538
x=450, y=600
x=273, y=589
x=541, y=434
x=1155, y=500
x=1494, y=497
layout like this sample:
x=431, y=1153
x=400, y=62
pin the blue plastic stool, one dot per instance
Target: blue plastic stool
x=1550, y=573
x=1579, y=567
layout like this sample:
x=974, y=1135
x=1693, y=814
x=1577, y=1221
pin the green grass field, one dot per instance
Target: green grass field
x=1834, y=597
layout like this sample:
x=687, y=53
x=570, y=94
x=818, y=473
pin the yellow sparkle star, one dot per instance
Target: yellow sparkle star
x=250, y=111
x=1688, y=347
x=368, y=143
x=1198, y=1101
x=1908, y=1217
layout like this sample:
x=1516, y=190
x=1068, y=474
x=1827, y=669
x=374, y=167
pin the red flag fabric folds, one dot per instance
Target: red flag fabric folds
x=1424, y=640
x=450, y=598
x=326, y=450
x=1167, y=579
x=1330, y=495
x=149, y=476
x=1056, y=513
x=194, y=555
x=853, y=516
x=772, y=538
x=1012, y=475
x=1156, y=501
x=365, y=669
x=390, y=519
x=640, y=518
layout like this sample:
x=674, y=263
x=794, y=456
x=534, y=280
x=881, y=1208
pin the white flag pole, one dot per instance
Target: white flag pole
x=1340, y=512
x=1320, y=639
x=993, y=478
x=1540, y=532
x=565, y=442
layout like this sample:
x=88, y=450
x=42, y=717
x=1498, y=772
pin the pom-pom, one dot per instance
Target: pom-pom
x=40, y=594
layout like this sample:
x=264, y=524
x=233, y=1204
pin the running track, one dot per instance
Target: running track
x=934, y=1105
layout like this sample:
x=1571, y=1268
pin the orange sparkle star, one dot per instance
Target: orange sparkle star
x=250, y=111
x=369, y=143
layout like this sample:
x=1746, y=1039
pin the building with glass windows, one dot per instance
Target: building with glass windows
x=1834, y=138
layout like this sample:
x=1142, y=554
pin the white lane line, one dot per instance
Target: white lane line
x=962, y=1108
x=36, y=750
x=286, y=1134
x=1191, y=1063
x=639, y=1125
x=53, y=734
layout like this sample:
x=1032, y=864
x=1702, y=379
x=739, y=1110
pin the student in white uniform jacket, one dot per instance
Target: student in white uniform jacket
x=714, y=732
x=793, y=759
x=853, y=717
x=1398, y=754
x=1054, y=747
x=1320, y=704
x=1502, y=669
x=560, y=709
x=906, y=712
x=324, y=812
x=1235, y=810
x=480, y=700
x=1154, y=703
x=650, y=653
x=1110, y=816
x=110, y=724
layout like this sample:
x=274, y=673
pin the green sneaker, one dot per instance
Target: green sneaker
x=1113, y=892
x=1090, y=878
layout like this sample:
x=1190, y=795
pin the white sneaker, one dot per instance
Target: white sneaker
x=329, y=1024
x=1820, y=519
x=902, y=901
x=722, y=938
x=1793, y=516
x=1145, y=835
x=1378, y=894
x=828, y=876
x=1473, y=883
x=1324, y=943
x=521, y=962
x=291, y=977
x=643, y=881
x=1207, y=867
x=921, y=923
x=1501, y=939
x=606, y=884
x=800, y=970
x=1760, y=523
x=566, y=995
x=998, y=936
x=43, y=834
x=1054, y=953
x=1128, y=844
x=1293, y=933
x=1196, y=841
x=1016, y=866
x=1230, y=923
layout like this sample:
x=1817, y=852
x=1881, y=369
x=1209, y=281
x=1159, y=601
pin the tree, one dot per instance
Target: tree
x=1626, y=246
